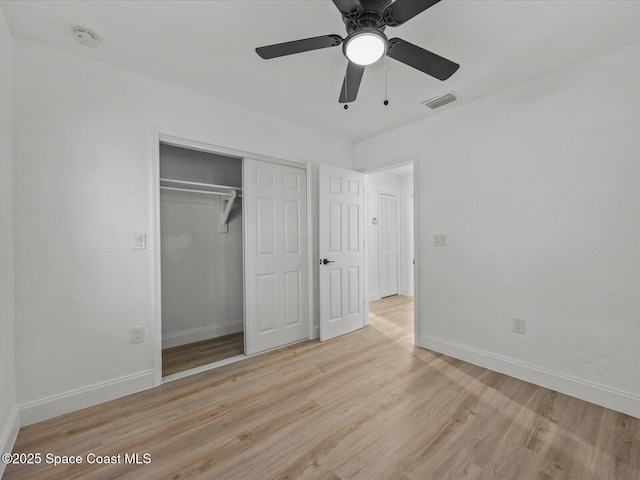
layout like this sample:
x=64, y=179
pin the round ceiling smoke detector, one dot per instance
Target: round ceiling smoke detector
x=86, y=37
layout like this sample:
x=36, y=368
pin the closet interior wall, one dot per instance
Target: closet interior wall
x=202, y=271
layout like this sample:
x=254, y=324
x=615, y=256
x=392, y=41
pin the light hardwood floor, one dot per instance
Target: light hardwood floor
x=185, y=357
x=367, y=405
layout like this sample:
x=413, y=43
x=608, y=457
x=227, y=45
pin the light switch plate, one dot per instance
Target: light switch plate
x=439, y=240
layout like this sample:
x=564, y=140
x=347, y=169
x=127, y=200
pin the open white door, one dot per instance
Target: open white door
x=341, y=229
x=276, y=255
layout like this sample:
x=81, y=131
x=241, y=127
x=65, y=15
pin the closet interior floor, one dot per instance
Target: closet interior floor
x=192, y=355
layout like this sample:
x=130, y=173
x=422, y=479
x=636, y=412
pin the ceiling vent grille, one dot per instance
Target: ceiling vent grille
x=440, y=101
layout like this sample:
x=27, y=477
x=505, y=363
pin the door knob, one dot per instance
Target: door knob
x=325, y=261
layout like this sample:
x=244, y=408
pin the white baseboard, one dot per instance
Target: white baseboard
x=199, y=334
x=403, y=292
x=603, y=395
x=8, y=435
x=78, y=398
x=316, y=331
x=374, y=296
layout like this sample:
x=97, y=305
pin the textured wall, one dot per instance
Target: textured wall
x=537, y=190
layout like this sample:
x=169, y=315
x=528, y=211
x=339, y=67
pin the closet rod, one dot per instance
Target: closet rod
x=191, y=190
x=199, y=184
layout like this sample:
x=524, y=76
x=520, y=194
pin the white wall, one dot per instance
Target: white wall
x=8, y=411
x=83, y=183
x=202, y=281
x=537, y=188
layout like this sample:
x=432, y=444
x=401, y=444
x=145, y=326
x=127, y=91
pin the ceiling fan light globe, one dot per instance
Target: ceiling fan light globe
x=366, y=48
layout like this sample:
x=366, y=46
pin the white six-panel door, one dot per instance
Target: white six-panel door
x=276, y=255
x=341, y=231
x=387, y=244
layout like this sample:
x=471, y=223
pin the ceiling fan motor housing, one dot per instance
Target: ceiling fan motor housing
x=367, y=19
x=371, y=16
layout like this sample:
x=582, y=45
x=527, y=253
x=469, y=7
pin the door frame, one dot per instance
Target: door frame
x=171, y=136
x=399, y=162
x=397, y=232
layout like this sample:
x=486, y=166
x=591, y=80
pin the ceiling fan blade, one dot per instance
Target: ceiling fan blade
x=421, y=59
x=299, y=46
x=402, y=10
x=351, y=83
x=347, y=7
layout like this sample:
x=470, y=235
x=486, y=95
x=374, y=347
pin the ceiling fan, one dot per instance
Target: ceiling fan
x=366, y=43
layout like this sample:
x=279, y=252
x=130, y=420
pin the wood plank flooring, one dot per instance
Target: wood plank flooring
x=394, y=317
x=367, y=405
x=185, y=357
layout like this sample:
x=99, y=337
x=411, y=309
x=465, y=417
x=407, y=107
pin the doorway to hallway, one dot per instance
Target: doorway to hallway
x=390, y=250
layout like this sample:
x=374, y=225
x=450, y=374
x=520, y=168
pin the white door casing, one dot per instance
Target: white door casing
x=410, y=249
x=276, y=255
x=388, y=244
x=341, y=230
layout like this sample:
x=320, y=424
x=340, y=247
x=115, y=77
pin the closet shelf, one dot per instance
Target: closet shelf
x=206, y=188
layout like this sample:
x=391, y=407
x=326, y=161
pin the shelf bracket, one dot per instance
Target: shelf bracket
x=224, y=216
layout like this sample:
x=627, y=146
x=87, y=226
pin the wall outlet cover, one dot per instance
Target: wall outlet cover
x=139, y=241
x=137, y=335
x=519, y=325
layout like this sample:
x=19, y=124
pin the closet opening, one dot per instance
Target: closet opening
x=201, y=250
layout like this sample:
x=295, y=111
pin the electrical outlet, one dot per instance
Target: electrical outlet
x=518, y=325
x=139, y=241
x=137, y=335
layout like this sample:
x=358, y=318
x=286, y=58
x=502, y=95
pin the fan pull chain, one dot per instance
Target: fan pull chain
x=386, y=96
x=346, y=88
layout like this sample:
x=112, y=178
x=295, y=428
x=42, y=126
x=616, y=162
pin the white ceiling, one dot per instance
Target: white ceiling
x=208, y=46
